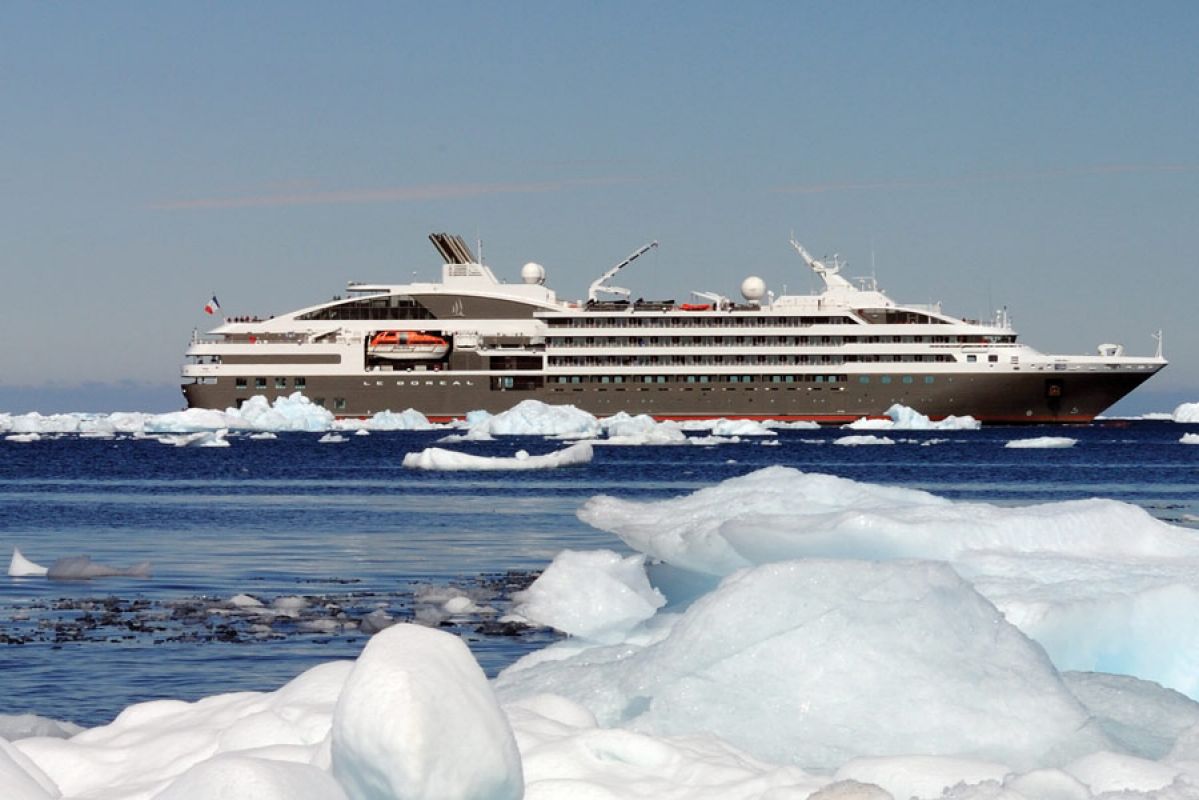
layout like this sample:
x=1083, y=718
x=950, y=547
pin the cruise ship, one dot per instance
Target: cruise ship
x=472, y=342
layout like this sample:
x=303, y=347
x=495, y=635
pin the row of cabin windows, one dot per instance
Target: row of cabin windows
x=652, y=321
x=280, y=383
x=656, y=379
x=763, y=341
x=709, y=360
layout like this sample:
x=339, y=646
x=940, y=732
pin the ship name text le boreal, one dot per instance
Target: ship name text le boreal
x=472, y=342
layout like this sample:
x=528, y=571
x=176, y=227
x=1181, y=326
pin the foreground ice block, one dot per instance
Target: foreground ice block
x=418, y=720
x=782, y=660
x=1100, y=584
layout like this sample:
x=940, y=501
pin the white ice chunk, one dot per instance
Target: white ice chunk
x=149, y=745
x=596, y=595
x=436, y=458
x=1042, y=442
x=1186, y=412
x=263, y=435
x=1190, y=438
x=23, y=438
x=21, y=567
x=900, y=417
x=781, y=661
x=1102, y=585
x=332, y=438
x=534, y=418
x=642, y=429
x=417, y=719
x=729, y=427
x=855, y=441
x=197, y=439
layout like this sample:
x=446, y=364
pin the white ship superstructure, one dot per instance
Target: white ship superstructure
x=472, y=342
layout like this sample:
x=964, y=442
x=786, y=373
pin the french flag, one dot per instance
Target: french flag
x=213, y=306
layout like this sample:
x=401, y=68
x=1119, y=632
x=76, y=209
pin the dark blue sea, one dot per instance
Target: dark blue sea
x=351, y=531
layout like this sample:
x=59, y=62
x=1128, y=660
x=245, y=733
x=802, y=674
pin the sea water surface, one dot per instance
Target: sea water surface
x=345, y=527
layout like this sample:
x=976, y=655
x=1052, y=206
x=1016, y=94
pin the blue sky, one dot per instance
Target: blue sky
x=1040, y=156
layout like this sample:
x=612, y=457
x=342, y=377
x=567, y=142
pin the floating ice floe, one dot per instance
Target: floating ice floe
x=332, y=438
x=534, y=418
x=197, y=439
x=625, y=429
x=436, y=458
x=1190, y=438
x=72, y=568
x=854, y=441
x=1187, y=412
x=900, y=417
x=1042, y=442
x=408, y=420
x=23, y=438
x=21, y=567
x=730, y=427
x=1100, y=584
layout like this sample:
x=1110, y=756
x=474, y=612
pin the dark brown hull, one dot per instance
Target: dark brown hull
x=1025, y=397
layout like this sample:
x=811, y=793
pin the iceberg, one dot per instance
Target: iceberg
x=534, y=418
x=437, y=458
x=900, y=417
x=1190, y=438
x=1186, y=412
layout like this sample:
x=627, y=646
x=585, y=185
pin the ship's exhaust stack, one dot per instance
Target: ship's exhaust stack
x=452, y=248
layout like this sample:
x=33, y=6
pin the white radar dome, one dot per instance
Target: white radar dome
x=532, y=273
x=753, y=288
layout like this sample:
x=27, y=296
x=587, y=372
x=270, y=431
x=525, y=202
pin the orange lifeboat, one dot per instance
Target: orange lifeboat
x=405, y=345
x=696, y=307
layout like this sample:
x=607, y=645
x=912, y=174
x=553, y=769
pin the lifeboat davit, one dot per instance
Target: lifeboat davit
x=406, y=345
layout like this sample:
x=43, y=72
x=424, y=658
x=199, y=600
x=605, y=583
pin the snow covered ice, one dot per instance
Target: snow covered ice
x=1100, y=584
x=1186, y=412
x=436, y=458
x=1042, y=442
x=900, y=417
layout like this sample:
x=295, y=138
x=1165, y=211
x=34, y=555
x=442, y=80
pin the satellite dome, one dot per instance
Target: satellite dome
x=532, y=273
x=753, y=288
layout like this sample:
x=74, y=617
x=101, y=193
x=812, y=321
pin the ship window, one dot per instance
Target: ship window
x=301, y=383
x=929, y=378
x=320, y=401
x=864, y=379
x=993, y=358
x=260, y=383
x=885, y=379
x=240, y=383
x=339, y=403
x=280, y=383
x=377, y=308
x=971, y=358
x=907, y=378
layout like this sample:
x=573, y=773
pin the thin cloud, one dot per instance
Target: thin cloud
x=396, y=194
x=987, y=178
